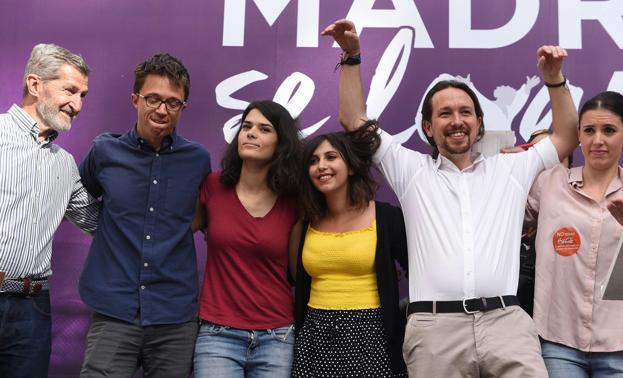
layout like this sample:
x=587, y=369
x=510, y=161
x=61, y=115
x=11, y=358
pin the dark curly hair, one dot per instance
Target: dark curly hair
x=356, y=149
x=427, y=108
x=284, y=173
x=163, y=65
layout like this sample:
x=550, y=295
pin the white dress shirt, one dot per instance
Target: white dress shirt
x=463, y=227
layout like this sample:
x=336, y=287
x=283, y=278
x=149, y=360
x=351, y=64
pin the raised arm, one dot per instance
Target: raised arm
x=564, y=115
x=351, y=101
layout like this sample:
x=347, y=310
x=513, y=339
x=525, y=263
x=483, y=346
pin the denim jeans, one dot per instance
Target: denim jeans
x=25, y=335
x=565, y=362
x=229, y=353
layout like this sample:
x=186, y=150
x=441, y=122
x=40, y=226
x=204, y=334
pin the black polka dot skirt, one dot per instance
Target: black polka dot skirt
x=350, y=343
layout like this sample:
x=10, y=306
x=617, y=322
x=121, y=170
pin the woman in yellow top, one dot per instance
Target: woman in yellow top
x=347, y=320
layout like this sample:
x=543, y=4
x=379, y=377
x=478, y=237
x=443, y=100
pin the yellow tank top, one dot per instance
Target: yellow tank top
x=341, y=266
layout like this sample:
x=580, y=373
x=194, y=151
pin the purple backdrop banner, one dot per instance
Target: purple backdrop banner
x=241, y=50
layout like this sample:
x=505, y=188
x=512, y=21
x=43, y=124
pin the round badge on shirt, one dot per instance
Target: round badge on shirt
x=566, y=241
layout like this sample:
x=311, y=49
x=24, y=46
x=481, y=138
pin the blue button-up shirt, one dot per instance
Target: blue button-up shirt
x=142, y=260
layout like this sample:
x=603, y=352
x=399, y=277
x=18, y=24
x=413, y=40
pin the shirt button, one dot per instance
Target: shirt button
x=157, y=154
x=155, y=182
x=151, y=209
x=148, y=237
x=146, y=265
x=142, y=287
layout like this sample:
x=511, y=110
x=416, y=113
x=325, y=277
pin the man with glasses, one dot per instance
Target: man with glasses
x=39, y=185
x=140, y=277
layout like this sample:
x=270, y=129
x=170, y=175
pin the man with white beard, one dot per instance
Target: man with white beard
x=39, y=185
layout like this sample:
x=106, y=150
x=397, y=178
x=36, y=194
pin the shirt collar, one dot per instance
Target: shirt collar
x=576, y=180
x=575, y=177
x=28, y=125
x=444, y=163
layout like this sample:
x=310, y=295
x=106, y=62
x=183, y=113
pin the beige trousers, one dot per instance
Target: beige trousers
x=497, y=343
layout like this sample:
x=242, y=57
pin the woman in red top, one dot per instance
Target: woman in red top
x=246, y=305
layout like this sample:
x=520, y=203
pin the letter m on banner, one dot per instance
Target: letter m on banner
x=307, y=20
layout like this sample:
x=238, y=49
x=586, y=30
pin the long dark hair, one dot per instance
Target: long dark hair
x=284, y=174
x=427, y=108
x=356, y=149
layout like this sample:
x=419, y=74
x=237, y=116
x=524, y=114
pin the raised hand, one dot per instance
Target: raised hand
x=467, y=79
x=345, y=34
x=531, y=82
x=549, y=61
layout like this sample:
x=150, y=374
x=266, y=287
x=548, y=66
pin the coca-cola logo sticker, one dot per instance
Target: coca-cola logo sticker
x=566, y=241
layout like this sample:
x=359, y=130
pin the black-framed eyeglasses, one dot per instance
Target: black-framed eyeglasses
x=172, y=104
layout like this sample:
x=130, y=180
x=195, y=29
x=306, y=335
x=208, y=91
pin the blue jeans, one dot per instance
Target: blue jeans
x=565, y=362
x=229, y=352
x=25, y=335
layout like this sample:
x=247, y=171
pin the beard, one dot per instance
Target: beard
x=51, y=116
x=453, y=149
x=461, y=149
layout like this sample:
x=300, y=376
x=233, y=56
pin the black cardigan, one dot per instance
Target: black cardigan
x=391, y=245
